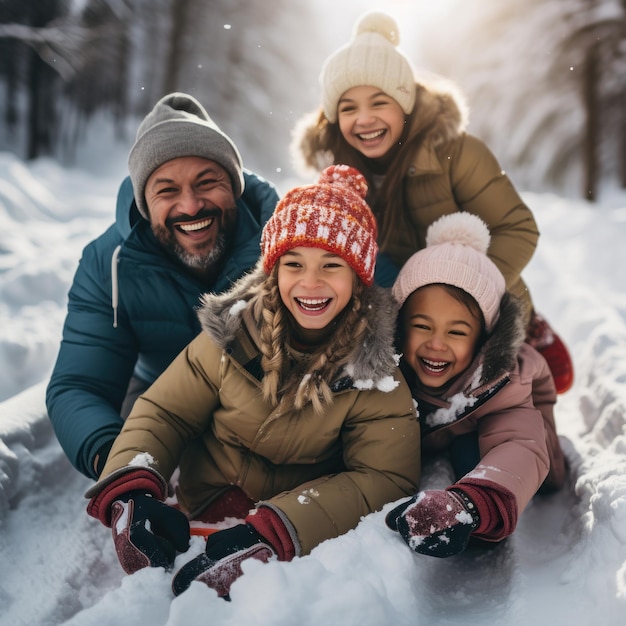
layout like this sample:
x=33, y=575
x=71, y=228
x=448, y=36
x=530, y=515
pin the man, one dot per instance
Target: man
x=194, y=226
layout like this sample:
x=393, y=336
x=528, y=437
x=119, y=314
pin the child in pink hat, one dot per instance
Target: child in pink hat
x=484, y=395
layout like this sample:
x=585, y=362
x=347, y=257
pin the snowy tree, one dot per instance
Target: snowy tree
x=545, y=82
x=30, y=65
x=119, y=57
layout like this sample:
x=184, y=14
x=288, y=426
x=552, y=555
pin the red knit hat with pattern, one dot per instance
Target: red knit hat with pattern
x=331, y=214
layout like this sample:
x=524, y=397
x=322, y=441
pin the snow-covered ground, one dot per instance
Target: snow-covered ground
x=566, y=563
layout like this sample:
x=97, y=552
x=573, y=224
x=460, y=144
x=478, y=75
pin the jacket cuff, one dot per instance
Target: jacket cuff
x=272, y=524
x=126, y=479
x=497, y=509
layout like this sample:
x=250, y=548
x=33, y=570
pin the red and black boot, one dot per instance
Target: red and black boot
x=541, y=337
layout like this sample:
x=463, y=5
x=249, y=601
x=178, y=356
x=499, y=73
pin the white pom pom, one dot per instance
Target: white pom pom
x=462, y=228
x=380, y=23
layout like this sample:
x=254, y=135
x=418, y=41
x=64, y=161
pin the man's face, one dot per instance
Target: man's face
x=192, y=210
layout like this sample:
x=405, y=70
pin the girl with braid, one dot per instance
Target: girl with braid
x=288, y=413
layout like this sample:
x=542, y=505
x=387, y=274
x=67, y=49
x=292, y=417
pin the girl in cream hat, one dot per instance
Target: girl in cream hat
x=406, y=132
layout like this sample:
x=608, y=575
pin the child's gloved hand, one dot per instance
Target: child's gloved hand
x=220, y=564
x=436, y=523
x=146, y=531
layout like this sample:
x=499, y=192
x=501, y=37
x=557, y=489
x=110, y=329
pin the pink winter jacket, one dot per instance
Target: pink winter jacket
x=507, y=397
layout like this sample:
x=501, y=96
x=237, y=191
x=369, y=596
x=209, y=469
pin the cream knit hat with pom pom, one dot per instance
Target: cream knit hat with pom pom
x=455, y=254
x=370, y=58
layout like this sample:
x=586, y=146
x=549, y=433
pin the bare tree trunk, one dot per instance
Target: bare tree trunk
x=41, y=87
x=622, y=144
x=10, y=74
x=39, y=139
x=121, y=105
x=177, y=46
x=590, y=143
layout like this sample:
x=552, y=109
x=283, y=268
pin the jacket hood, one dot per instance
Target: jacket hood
x=126, y=213
x=499, y=353
x=440, y=98
x=375, y=358
x=437, y=98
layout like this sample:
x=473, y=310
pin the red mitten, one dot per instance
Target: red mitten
x=436, y=523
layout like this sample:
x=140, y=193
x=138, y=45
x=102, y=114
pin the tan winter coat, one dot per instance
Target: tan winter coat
x=450, y=171
x=507, y=396
x=321, y=474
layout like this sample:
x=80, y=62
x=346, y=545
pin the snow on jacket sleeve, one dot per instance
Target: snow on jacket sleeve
x=517, y=435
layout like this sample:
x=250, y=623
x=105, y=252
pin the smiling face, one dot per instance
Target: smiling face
x=440, y=335
x=192, y=210
x=314, y=285
x=370, y=120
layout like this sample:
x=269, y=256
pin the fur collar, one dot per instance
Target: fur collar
x=499, y=353
x=438, y=99
x=375, y=359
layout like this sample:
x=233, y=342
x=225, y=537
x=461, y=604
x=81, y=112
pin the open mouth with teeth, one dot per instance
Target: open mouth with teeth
x=376, y=134
x=194, y=227
x=435, y=367
x=313, y=305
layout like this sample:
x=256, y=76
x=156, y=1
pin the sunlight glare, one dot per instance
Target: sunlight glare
x=430, y=10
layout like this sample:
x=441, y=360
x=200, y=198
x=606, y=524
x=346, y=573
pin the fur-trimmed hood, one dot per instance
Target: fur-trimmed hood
x=438, y=99
x=371, y=362
x=500, y=351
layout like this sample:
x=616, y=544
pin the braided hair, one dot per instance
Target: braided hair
x=295, y=385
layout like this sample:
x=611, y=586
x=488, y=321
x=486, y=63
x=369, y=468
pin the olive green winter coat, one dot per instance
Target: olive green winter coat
x=448, y=171
x=320, y=473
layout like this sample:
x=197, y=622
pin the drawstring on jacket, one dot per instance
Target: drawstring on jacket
x=114, y=285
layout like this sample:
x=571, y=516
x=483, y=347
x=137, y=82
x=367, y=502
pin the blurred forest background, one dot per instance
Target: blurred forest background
x=545, y=80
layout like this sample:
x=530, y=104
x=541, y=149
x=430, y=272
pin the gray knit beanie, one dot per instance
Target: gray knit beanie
x=179, y=126
x=371, y=58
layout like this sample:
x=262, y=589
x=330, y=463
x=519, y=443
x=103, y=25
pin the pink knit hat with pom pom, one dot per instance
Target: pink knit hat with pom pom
x=331, y=215
x=455, y=254
x=370, y=58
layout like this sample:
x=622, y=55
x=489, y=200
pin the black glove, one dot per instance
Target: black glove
x=220, y=565
x=147, y=532
x=436, y=523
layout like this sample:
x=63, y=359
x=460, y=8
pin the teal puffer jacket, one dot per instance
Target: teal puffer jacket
x=131, y=310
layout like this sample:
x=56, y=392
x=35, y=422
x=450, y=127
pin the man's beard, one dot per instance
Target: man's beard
x=203, y=261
